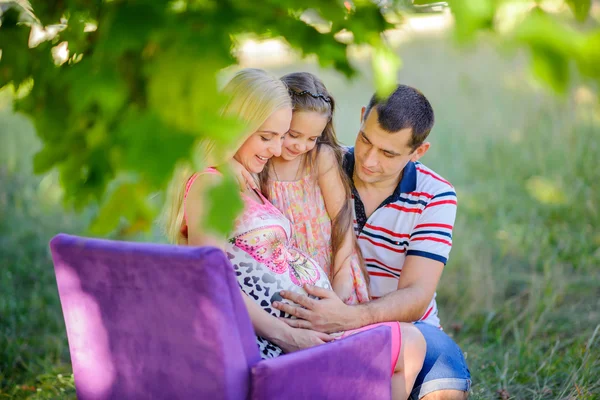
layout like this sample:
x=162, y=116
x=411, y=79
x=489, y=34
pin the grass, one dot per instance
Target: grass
x=33, y=349
x=521, y=293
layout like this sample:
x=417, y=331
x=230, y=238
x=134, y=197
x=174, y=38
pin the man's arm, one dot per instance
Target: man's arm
x=416, y=287
x=427, y=253
x=429, y=246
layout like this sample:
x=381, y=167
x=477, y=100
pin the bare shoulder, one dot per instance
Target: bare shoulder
x=200, y=182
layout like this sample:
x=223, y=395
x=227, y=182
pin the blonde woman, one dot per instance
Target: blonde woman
x=259, y=246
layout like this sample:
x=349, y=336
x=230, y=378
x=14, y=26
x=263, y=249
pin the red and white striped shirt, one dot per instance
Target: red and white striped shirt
x=416, y=220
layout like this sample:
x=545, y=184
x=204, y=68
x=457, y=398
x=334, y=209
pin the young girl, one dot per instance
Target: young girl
x=308, y=185
x=260, y=247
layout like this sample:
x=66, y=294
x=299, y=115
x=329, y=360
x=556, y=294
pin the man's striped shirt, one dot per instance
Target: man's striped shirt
x=416, y=220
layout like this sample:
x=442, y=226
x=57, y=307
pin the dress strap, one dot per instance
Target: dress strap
x=190, y=182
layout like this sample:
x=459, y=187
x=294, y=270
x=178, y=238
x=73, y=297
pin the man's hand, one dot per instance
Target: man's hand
x=327, y=315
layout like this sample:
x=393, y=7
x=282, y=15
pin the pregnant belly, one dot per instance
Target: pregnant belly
x=263, y=285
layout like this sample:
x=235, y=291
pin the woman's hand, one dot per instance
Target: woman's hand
x=244, y=178
x=298, y=339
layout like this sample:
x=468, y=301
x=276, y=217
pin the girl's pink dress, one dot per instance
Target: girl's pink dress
x=302, y=203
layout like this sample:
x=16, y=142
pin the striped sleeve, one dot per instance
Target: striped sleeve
x=432, y=235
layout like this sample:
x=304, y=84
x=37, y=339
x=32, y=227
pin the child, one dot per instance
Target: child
x=307, y=183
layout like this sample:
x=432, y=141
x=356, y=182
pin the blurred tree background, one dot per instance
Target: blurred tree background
x=101, y=99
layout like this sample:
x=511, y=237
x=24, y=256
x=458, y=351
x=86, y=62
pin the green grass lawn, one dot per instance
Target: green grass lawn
x=521, y=292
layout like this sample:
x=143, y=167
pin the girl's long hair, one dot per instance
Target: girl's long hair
x=308, y=93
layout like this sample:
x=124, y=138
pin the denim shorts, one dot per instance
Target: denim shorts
x=444, y=367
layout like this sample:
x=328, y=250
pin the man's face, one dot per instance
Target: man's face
x=381, y=156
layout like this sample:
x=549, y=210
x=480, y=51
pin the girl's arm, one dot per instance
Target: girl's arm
x=332, y=187
x=265, y=325
x=244, y=178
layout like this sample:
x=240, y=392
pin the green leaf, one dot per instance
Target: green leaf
x=224, y=205
x=385, y=70
x=86, y=173
x=543, y=30
x=553, y=47
x=551, y=67
x=120, y=204
x=581, y=8
x=143, y=90
x=181, y=94
x=425, y=2
x=92, y=88
x=128, y=202
x=366, y=23
x=128, y=26
x=17, y=58
x=589, y=58
x=24, y=12
x=309, y=40
x=151, y=148
x=74, y=33
x=472, y=17
x=45, y=159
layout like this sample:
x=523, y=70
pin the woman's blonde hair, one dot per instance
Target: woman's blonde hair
x=253, y=96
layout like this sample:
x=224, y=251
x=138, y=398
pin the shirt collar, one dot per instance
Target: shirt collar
x=407, y=184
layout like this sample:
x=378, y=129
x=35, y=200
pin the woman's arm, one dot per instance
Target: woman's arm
x=334, y=195
x=195, y=208
x=278, y=332
x=265, y=325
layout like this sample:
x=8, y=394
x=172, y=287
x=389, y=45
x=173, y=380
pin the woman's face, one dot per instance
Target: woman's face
x=306, y=128
x=265, y=142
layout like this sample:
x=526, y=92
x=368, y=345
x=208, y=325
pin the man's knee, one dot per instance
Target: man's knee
x=446, y=395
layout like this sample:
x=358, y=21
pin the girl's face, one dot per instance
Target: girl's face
x=265, y=142
x=306, y=128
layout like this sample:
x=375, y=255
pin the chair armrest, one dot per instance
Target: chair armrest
x=357, y=367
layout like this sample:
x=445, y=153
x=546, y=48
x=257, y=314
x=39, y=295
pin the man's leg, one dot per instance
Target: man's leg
x=445, y=375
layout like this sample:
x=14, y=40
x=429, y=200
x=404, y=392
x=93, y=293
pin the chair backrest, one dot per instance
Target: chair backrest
x=149, y=321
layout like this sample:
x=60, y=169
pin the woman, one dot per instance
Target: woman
x=259, y=247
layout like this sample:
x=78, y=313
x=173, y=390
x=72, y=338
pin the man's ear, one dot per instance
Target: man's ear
x=420, y=151
x=362, y=114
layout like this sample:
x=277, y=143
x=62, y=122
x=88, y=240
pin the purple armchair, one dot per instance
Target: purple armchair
x=148, y=321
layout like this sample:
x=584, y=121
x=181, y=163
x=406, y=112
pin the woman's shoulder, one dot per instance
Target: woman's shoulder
x=201, y=180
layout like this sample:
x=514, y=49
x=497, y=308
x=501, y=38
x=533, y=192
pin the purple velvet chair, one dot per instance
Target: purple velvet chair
x=149, y=321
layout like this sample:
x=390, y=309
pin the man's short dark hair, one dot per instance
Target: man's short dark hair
x=405, y=108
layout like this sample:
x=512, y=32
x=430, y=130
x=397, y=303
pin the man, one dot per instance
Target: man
x=404, y=215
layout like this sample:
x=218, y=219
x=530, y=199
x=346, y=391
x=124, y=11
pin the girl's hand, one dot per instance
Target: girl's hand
x=244, y=178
